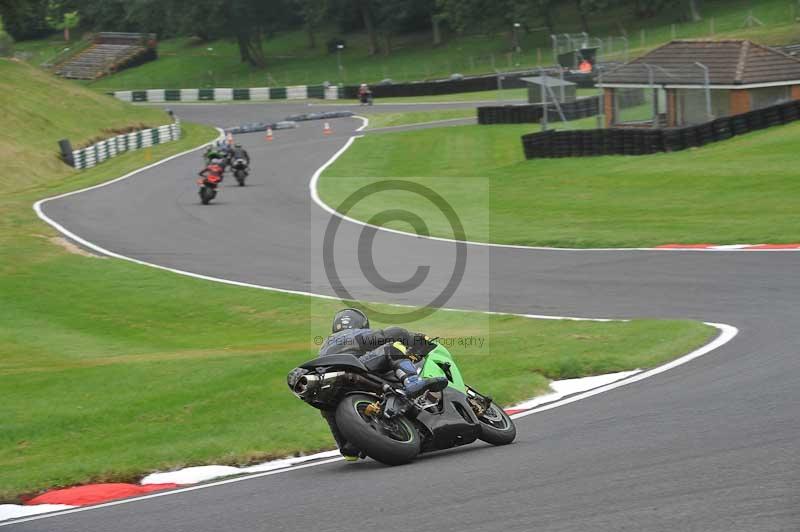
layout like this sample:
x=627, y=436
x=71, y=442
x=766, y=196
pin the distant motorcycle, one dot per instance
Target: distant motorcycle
x=366, y=98
x=240, y=171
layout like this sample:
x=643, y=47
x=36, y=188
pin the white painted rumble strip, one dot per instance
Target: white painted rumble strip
x=728, y=332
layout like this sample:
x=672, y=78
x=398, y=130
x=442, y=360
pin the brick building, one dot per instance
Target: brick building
x=743, y=76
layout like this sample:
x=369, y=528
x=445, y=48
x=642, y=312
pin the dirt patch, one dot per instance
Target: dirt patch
x=72, y=248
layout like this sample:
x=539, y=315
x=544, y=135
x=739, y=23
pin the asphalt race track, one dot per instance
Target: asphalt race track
x=709, y=446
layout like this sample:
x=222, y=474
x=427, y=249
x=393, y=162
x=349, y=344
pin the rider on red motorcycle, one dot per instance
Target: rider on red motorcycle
x=213, y=172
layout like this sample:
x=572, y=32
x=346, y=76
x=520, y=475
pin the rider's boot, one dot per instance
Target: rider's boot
x=413, y=384
x=348, y=450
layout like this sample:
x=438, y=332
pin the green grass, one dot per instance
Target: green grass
x=738, y=191
x=378, y=119
x=291, y=62
x=40, y=51
x=110, y=370
x=72, y=113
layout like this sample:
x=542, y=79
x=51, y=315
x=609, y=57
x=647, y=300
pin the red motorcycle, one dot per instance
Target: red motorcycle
x=211, y=177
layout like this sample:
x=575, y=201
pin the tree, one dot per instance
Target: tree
x=365, y=8
x=694, y=11
x=25, y=19
x=59, y=17
x=313, y=13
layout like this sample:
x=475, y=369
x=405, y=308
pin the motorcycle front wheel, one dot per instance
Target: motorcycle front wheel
x=496, y=427
x=240, y=177
x=389, y=441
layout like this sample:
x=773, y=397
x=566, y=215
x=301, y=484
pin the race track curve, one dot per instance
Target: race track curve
x=708, y=446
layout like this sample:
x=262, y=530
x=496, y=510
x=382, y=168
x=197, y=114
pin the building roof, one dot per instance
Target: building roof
x=548, y=80
x=730, y=62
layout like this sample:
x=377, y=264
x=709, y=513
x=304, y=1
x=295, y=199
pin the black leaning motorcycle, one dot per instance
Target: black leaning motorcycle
x=373, y=414
x=240, y=171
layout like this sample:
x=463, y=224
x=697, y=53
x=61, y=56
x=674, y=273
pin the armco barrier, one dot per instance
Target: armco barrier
x=297, y=92
x=532, y=113
x=96, y=153
x=643, y=141
x=511, y=80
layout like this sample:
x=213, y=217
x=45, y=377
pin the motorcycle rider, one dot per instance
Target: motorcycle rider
x=238, y=152
x=214, y=171
x=213, y=152
x=365, y=94
x=380, y=351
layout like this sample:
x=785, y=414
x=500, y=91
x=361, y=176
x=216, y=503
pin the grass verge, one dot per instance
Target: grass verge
x=110, y=370
x=737, y=191
x=379, y=120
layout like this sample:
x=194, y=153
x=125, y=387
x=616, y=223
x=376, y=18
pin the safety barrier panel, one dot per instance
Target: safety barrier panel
x=332, y=92
x=510, y=80
x=644, y=141
x=532, y=113
x=96, y=153
x=297, y=92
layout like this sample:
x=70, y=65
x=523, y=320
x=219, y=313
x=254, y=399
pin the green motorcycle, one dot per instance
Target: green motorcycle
x=373, y=414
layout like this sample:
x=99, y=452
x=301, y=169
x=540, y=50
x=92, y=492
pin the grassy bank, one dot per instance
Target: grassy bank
x=290, y=62
x=109, y=370
x=737, y=191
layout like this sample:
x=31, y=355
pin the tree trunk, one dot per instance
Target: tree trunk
x=244, y=48
x=66, y=34
x=437, y=31
x=250, y=48
x=312, y=38
x=584, y=22
x=387, y=43
x=366, y=16
x=694, y=12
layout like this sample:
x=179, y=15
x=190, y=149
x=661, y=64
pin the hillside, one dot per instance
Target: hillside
x=39, y=109
x=186, y=63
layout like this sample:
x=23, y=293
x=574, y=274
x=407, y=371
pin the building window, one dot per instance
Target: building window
x=760, y=98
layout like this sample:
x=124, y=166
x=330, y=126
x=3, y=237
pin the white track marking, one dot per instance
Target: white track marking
x=17, y=511
x=728, y=332
x=444, y=121
x=365, y=123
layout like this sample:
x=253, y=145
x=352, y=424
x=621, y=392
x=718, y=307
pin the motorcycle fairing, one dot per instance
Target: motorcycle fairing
x=453, y=425
x=344, y=361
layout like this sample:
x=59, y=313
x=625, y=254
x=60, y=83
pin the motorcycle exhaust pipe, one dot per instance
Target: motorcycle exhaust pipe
x=310, y=384
x=306, y=385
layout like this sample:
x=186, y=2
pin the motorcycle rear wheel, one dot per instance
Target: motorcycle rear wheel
x=496, y=427
x=206, y=195
x=391, y=442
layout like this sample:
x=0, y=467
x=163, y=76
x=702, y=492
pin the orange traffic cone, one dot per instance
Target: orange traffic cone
x=269, y=134
x=327, y=129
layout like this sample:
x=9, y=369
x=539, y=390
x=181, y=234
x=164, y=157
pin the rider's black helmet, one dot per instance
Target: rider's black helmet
x=349, y=318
